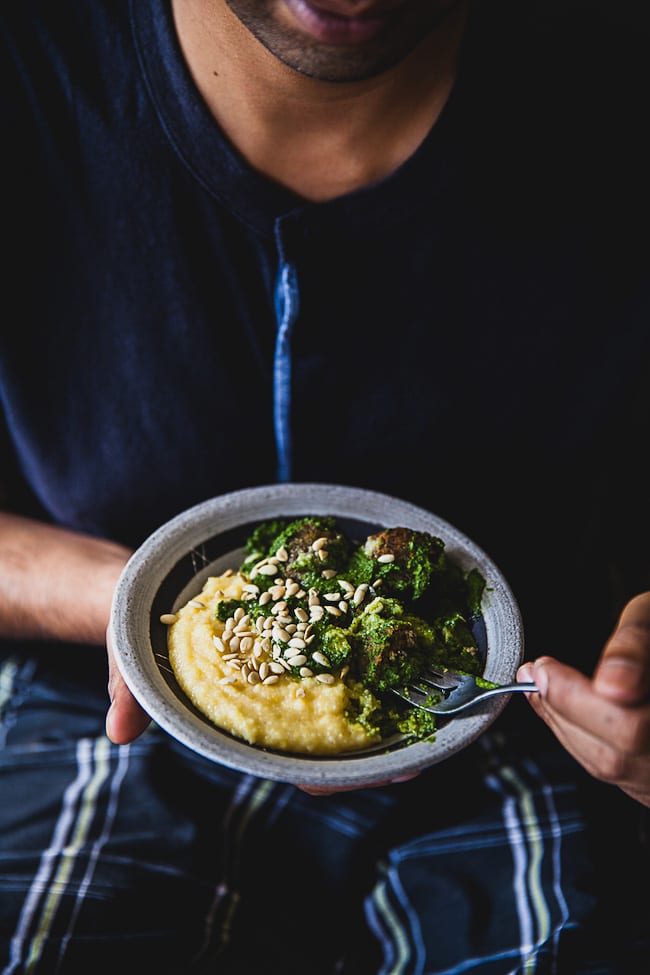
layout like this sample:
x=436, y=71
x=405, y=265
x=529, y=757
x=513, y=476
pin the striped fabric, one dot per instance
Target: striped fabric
x=150, y=855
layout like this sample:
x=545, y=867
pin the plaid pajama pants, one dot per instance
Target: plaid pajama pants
x=503, y=859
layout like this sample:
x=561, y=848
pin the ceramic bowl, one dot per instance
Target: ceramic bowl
x=171, y=567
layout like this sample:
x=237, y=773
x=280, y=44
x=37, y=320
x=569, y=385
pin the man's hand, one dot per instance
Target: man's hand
x=125, y=719
x=604, y=722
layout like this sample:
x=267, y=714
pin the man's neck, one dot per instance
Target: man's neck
x=319, y=139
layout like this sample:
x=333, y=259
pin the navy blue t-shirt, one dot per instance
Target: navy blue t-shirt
x=470, y=334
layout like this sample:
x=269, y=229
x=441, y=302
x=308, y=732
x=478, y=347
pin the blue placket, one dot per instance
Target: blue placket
x=286, y=312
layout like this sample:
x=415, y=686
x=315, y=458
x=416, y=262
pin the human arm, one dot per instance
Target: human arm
x=57, y=585
x=604, y=721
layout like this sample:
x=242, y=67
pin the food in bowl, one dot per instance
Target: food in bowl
x=299, y=647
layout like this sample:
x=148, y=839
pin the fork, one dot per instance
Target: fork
x=459, y=691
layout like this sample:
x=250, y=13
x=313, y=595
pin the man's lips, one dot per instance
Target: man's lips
x=349, y=10
x=332, y=23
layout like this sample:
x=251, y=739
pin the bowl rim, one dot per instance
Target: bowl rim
x=187, y=532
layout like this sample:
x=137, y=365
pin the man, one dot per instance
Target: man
x=392, y=245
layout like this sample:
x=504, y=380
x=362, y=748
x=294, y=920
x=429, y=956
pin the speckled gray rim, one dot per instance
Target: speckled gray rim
x=174, y=562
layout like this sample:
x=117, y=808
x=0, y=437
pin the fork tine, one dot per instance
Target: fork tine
x=445, y=680
x=419, y=693
x=416, y=696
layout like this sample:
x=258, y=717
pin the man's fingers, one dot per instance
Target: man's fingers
x=125, y=719
x=568, y=701
x=623, y=672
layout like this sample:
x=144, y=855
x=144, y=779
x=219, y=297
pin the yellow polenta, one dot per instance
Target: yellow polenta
x=290, y=714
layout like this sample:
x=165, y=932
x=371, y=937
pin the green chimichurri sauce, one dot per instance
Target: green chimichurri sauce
x=375, y=612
